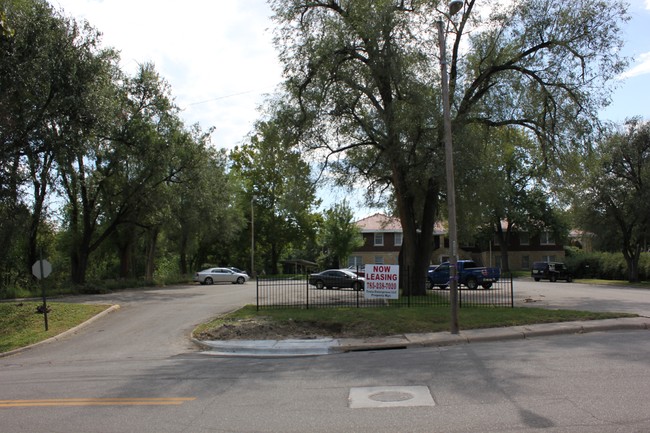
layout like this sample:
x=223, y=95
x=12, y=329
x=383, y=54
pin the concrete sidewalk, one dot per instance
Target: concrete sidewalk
x=324, y=346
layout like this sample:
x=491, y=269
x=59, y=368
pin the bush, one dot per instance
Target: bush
x=604, y=265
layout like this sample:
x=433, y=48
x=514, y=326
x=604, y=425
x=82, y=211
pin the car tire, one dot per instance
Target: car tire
x=569, y=279
x=357, y=286
x=241, y=280
x=471, y=283
x=442, y=287
x=487, y=286
x=209, y=281
x=319, y=285
x=428, y=285
x=553, y=278
x=536, y=279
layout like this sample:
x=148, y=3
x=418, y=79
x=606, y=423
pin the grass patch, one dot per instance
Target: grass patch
x=369, y=322
x=21, y=325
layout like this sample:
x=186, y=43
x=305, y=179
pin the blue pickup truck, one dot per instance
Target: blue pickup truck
x=469, y=275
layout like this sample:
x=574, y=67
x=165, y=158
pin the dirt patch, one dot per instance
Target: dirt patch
x=262, y=328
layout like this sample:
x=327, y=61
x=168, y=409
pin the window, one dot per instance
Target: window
x=524, y=238
x=379, y=239
x=355, y=262
x=398, y=239
x=379, y=260
x=546, y=238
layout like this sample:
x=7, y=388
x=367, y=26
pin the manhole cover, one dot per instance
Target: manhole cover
x=390, y=396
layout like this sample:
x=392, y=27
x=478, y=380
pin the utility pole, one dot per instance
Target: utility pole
x=454, y=7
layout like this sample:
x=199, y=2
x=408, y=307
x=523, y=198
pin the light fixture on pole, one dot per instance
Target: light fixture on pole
x=454, y=7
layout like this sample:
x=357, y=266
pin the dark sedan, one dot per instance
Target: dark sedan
x=337, y=278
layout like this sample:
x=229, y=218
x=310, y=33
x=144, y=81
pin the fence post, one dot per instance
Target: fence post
x=408, y=286
x=307, y=292
x=512, y=293
x=358, y=294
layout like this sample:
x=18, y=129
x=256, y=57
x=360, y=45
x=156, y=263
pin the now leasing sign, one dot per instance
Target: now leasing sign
x=382, y=282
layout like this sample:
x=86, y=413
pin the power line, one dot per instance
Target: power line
x=222, y=97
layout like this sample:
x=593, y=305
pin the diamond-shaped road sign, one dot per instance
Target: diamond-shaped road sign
x=44, y=265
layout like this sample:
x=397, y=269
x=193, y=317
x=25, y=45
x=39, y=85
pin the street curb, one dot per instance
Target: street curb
x=440, y=339
x=325, y=346
x=63, y=334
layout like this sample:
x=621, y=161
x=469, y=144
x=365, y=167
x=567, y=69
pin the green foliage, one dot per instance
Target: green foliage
x=139, y=191
x=604, y=265
x=616, y=200
x=278, y=190
x=132, y=183
x=363, y=89
x=339, y=236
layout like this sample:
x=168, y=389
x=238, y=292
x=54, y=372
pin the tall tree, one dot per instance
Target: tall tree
x=278, y=183
x=112, y=173
x=339, y=235
x=616, y=202
x=207, y=223
x=517, y=197
x=363, y=84
x=46, y=62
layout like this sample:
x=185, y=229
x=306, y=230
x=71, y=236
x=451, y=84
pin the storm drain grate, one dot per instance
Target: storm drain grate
x=390, y=396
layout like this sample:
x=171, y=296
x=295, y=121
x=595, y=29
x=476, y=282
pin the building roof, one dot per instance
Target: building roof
x=383, y=223
x=379, y=223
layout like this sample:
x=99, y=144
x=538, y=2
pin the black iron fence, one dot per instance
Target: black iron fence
x=297, y=292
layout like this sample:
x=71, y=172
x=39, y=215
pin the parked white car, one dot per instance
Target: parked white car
x=220, y=275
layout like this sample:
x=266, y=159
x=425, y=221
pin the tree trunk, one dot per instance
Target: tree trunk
x=416, y=249
x=79, y=264
x=151, y=254
x=272, y=265
x=126, y=260
x=183, y=254
x=632, y=257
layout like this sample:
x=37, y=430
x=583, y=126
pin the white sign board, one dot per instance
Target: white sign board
x=41, y=265
x=382, y=282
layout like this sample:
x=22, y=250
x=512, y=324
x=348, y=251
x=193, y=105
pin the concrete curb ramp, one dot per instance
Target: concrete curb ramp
x=324, y=346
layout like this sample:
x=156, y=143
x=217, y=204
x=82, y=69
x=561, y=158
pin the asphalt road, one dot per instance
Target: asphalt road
x=136, y=371
x=577, y=296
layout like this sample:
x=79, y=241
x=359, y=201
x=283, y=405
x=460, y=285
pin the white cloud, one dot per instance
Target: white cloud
x=217, y=56
x=641, y=68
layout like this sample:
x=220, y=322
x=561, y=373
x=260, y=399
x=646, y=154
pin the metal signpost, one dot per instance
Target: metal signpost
x=41, y=269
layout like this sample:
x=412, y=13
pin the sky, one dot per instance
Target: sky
x=219, y=58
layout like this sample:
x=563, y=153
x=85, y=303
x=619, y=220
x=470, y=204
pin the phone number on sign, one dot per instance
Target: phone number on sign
x=375, y=285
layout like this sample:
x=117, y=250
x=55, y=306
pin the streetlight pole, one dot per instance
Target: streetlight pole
x=253, y=237
x=454, y=7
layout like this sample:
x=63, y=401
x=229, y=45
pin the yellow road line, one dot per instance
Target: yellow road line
x=97, y=402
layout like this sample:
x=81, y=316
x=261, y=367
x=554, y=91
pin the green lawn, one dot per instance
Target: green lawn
x=21, y=325
x=366, y=322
